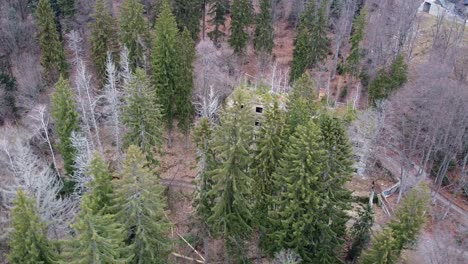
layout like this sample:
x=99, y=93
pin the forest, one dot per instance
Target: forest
x=233, y=131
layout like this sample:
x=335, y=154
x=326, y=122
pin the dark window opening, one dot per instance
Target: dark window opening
x=257, y=123
x=259, y=109
x=426, y=7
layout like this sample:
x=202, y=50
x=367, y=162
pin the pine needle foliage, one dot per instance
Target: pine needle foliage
x=142, y=116
x=103, y=37
x=188, y=14
x=241, y=18
x=264, y=32
x=139, y=203
x=301, y=105
x=52, y=53
x=361, y=233
x=232, y=216
x=388, y=81
x=134, y=31
x=66, y=121
x=28, y=239
x=101, y=186
x=217, y=12
x=354, y=58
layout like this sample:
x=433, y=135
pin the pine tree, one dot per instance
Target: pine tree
x=202, y=137
x=218, y=11
x=28, y=239
x=232, y=212
x=270, y=143
x=99, y=238
x=298, y=220
x=101, y=186
x=184, y=89
x=188, y=14
x=264, y=29
x=103, y=37
x=166, y=59
x=301, y=105
x=301, y=56
x=402, y=231
x=241, y=18
x=142, y=116
x=361, y=233
x=386, y=82
x=140, y=204
x=410, y=217
x=382, y=250
x=67, y=7
x=52, y=53
x=319, y=41
x=66, y=121
x=134, y=31
x=354, y=57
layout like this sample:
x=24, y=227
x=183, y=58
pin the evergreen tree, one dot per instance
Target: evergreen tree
x=298, y=218
x=28, y=239
x=402, y=231
x=52, y=53
x=232, y=212
x=382, y=250
x=358, y=35
x=269, y=150
x=319, y=41
x=241, y=18
x=98, y=239
x=301, y=105
x=142, y=116
x=218, y=11
x=101, y=186
x=301, y=57
x=410, y=217
x=66, y=121
x=188, y=14
x=386, y=82
x=67, y=7
x=103, y=37
x=134, y=31
x=264, y=29
x=166, y=59
x=184, y=83
x=202, y=137
x=140, y=204
x=361, y=233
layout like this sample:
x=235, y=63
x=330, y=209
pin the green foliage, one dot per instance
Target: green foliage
x=52, y=53
x=188, y=14
x=410, y=217
x=217, y=12
x=382, y=250
x=103, y=37
x=28, y=239
x=402, y=231
x=67, y=7
x=142, y=116
x=183, y=93
x=361, y=233
x=165, y=62
x=354, y=57
x=101, y=186
x=264, y=31
x=66, y=121
x=386, y=82
x=270, y=143
x=311, y=45
x=8, y=84
x=134, y=31
x=232, y=212
x=139, y=203
x=203, y=201
x=300, y=54
x=99, y=237
x=301, y=105
x=241, y=18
